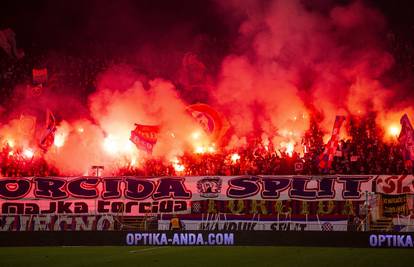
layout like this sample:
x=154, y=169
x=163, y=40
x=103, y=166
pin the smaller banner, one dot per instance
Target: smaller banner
x=39, y=76
x=145, y=136
x=58, y=223
x=394, y=205
x=254, y=225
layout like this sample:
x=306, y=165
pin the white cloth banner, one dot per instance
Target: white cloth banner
x=139, y=195
x=395, y=184
x=254, y=225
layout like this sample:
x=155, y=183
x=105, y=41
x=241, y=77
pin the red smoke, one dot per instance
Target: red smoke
x=288, y=63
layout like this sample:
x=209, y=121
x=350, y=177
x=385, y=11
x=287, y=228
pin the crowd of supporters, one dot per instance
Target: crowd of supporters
x=352, y=157
x=363, y=152
x=15, y=163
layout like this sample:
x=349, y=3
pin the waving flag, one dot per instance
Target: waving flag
x=49, y=134
x=213, y=123
x=326, y=158
x=27, y=124
x=145, y=137
x=406, y=140
x=8, y=43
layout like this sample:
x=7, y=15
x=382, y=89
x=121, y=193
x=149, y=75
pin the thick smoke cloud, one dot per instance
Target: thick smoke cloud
x=295, y=61
x=286, y=61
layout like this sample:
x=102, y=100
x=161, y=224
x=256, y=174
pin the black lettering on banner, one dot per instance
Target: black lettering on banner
x=52, y=208
x=12, y=208
x=352, y=186
x=242, y=187
x=144, y=207
x=326, y=187
x=180, y=206
x=31, y=208
x=129, y=205
x=111, y=188
x=84, y=187
x=138, y=189
x=80, y=207
x=117, y=207
x=103, y=206
x=51, y=188
x=171, y=188
x=14, y=188
x=273, y=186
x=299, y=189
x=64, y=207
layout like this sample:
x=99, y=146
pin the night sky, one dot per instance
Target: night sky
x=69, y=25
x=155, y=35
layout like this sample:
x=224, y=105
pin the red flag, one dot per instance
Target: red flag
x=326, y=158
x=49, y=135
x=406, y=140
x=145, y=136
x=212, y=122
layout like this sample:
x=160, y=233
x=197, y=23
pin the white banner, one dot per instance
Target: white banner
x=395, y=184
x=253, y=225
x=139, y=195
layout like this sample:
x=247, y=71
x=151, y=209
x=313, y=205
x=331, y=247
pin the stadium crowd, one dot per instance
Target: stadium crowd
x=363, y=152
x=353, y=156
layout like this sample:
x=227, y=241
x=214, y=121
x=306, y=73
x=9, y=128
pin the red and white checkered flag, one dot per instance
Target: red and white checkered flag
x=327, y=226
x=196, y=206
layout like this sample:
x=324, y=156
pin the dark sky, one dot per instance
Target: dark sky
x=62, y=24
x=68, y=23
x=157, y=30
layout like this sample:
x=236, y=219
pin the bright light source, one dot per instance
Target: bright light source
x=28, y=153
x=199, y=150
x=59, y=140
x=211, y=149
x=110, y=145
x=10, y=142
x=235, y=157
x=128, y=146
x=394, y=130
x=133, y=161
x=289, y=147
x=178, y=167
x=196, y=135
